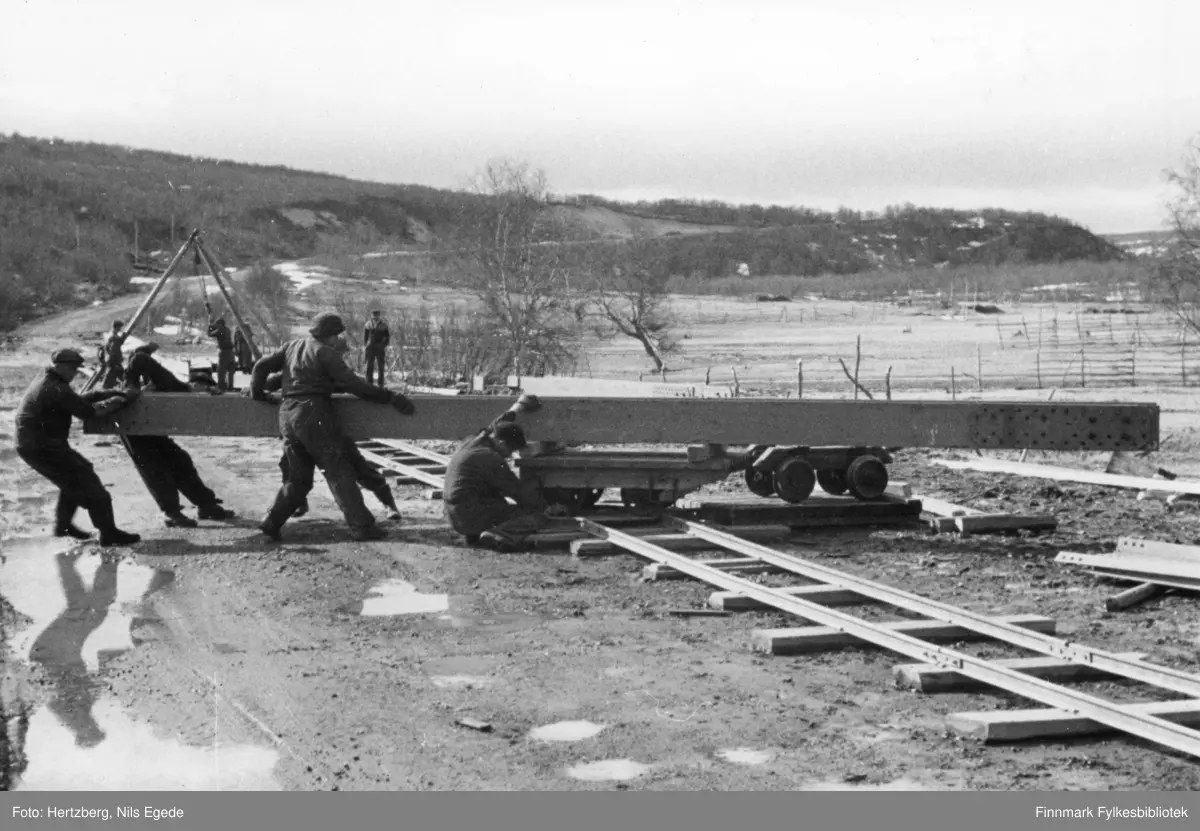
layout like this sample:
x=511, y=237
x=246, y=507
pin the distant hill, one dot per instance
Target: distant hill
x=71, y=214
x=1143, y=243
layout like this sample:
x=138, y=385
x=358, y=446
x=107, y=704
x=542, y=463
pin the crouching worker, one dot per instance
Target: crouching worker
x=312, y=368
x=43, y=424
x=369, y=479
x=478, y=480
x=166, y=468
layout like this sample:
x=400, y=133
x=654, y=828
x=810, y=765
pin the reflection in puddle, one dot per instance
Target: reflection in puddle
x=608, y=770
x=466, y=681
x=745, y=756
x=566, y=731
x=126, y=756
x=398, y=597
x=81, y=609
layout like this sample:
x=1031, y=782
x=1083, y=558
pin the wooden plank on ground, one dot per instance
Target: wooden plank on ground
x=825, y=595
x=1137, y=577
x=732, y=565
x=592, y=547
x=942, y=508
x=983, y=523
x=816, y=513
x=1066, y=474
x=929, y=678
x=1047, y=723
x=1133, y=596
x=740, y=421
x=796, y=641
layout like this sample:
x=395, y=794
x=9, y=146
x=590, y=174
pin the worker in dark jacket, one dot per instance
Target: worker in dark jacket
x=43, y=425
x=479, y=483
x=376, y=338
x=112, y=363
x=312, y=367
x=226, y=363
x=369, y=479
x=166, y=468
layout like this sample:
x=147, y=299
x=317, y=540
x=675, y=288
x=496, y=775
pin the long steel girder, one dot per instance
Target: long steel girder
x=764, y=421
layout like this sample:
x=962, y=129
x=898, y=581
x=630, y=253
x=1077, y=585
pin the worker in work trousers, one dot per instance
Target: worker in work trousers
x=312, y=368
x=376, y=338
x=112, y=362
x=166, y=468
x=226, y=362
x=369, y=479
x=479, y=483
x=43, y=424
x=242, y=351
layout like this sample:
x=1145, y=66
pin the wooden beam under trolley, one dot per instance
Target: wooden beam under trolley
x=1104, y=712
x=770, y=421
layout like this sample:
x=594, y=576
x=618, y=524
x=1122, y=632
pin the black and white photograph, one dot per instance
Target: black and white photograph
x=535, y=396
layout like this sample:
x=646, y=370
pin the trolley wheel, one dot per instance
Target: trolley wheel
x=759, y=482
x=794, y=480
x=867, y=477
x=832, y=481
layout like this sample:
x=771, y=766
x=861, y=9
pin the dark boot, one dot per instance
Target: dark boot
x=271, y=531
x=302, y=510
x=110, y=535
x=177, y=519
x=214, y=511
x=501, y=542
x=72, y=530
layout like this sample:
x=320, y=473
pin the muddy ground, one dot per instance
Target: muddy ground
x=208, y=659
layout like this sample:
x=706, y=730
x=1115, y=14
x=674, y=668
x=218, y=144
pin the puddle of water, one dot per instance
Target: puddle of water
x=608, y=770
x=118, y=754
x=566, y=731
x=398, y=597
x=451, y=681
x=745, y=756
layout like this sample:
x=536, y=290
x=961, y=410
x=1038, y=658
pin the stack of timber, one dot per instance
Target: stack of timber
x=1067, y=712
x=946, y=517
x=1154, y=566
x=820, y=510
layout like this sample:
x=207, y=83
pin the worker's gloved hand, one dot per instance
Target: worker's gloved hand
x=556, y=510
x=528, y=403
x=403, y=404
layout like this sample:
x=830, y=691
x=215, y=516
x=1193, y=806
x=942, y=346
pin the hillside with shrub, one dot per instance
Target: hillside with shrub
x=73, y=215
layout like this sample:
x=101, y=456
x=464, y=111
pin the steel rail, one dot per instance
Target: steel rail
x=1131, y=668
x=1112, y=715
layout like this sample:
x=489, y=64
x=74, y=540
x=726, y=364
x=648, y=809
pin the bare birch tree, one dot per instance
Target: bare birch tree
x=1177, y=277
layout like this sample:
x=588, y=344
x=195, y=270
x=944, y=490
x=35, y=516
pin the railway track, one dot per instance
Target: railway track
x=821, y=596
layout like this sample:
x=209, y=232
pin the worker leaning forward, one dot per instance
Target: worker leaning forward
x=312, y=368
x=166, y=468
x=479, y=483
x=43, y=425
x=369, y=479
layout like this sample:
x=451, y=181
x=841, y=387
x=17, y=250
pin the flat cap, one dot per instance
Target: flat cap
x=327, y=324
x=148, y=348
x=67, y=356
x=511, y=434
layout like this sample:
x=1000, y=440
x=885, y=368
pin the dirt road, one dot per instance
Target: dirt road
x=207, y=659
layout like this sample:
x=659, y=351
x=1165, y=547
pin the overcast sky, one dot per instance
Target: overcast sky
x=1073, y=108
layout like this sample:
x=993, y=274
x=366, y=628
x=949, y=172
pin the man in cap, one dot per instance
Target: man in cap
x=226, y=363
x=166, y=468
x=376, y=338
x=369, y=479
x=312, y=368
x=479, y=483
x=43, y=425
x=112, y=362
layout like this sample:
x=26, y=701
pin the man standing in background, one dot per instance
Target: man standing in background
x=112, y=363
x=241, y=346
x=219, y=331
x=376, y=338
